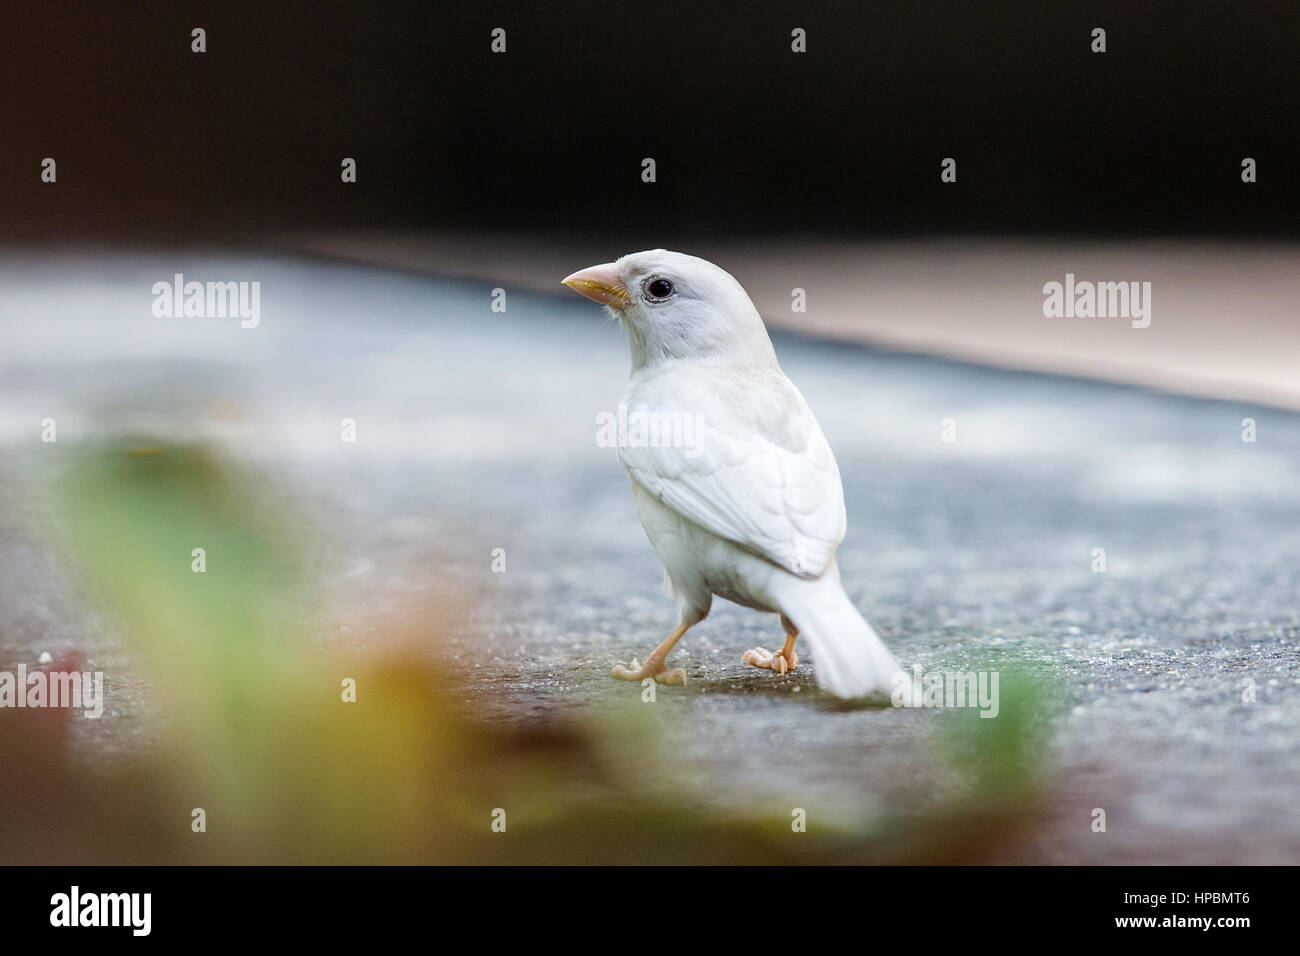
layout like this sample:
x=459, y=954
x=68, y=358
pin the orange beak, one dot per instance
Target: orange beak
x=602, y=284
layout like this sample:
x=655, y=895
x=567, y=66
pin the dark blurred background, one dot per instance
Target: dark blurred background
x=155, y=142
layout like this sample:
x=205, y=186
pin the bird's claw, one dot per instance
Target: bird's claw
x=780, y=661
x=651, y=668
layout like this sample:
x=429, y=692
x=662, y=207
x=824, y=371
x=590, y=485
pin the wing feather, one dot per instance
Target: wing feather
x=770, y=487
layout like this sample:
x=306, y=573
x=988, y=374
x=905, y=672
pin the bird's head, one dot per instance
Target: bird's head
x=676, y=306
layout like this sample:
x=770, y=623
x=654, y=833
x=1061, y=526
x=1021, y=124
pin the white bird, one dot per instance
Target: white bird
x=750, y=508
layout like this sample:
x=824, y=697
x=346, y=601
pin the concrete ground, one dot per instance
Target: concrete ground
x=476, y=431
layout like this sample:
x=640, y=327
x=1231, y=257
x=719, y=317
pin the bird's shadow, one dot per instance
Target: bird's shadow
x=805, y=693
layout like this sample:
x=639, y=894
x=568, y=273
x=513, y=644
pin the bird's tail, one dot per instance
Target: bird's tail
x=850, y=658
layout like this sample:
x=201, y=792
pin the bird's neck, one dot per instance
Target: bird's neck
x=651, y=347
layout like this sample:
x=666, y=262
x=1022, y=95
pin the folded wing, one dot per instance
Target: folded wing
x=769, y=484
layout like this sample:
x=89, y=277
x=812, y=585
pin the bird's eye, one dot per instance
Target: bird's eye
x=658, y=289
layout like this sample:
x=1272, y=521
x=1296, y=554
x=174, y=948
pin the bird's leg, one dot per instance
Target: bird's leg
x=783, y=660
x=654, y=664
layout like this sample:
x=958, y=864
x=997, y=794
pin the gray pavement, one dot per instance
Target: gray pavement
x=476, y=430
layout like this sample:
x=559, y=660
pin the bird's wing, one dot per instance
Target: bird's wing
x=758, y=473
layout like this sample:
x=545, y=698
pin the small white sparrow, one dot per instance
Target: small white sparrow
x=733, y=479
